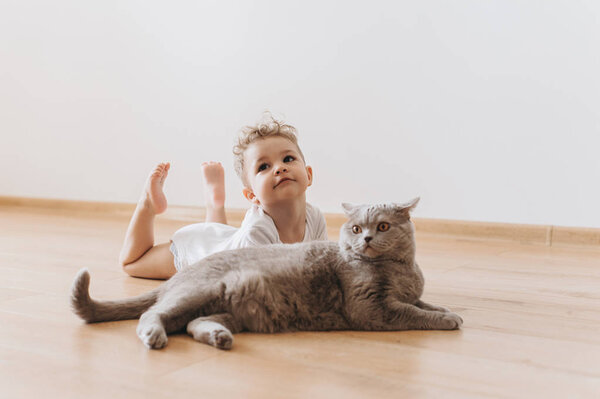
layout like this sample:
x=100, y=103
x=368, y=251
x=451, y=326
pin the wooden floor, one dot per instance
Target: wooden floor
x=532, y=327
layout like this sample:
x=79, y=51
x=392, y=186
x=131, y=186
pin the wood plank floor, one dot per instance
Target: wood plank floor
x=532, y=327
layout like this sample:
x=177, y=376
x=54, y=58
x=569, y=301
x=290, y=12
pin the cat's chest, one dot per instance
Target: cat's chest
x=407, y=291
x=407, y=286
x=375, y=289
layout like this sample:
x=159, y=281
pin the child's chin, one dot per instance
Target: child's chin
x=284, y=185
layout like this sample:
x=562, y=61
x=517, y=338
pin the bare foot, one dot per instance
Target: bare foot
x=153, y=196
x=214, y=192
x=214, y=184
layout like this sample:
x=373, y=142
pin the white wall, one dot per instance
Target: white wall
x=489, y=110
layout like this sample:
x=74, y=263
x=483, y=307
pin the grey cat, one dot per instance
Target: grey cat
x=367, y=281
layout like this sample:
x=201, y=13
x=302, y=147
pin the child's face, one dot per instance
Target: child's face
x=275, y=172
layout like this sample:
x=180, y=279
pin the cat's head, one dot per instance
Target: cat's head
x=375, y=232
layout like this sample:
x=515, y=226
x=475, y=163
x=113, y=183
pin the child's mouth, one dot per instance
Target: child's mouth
x=282, y=181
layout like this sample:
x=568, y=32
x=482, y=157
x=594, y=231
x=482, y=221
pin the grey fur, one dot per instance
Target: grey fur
x=307, y=286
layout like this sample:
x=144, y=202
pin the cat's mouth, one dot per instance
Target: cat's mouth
x=369, y=251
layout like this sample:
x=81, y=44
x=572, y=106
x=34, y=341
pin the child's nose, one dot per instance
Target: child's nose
x=280, y=169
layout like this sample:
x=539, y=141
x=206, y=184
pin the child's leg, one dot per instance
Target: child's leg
x=157, y=263
x=214, y=192
x=139, y=256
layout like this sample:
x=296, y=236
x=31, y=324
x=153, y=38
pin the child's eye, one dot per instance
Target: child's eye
x=288, y=158
x=262, y=167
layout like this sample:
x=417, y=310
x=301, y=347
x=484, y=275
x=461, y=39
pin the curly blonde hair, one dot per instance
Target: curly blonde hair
x=267, y=127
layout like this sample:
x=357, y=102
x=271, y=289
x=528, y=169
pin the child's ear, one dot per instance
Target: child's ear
x=309, y=172
x=249, y=194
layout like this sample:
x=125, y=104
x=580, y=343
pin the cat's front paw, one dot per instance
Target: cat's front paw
x=442, y=309
x=452, y=321
x=153, y=336
x=221, y=339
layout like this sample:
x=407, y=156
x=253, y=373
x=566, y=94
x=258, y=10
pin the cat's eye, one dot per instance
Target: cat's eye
x=383, y=227
x=356, y=229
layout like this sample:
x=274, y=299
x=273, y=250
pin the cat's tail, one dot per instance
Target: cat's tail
x=95, y=311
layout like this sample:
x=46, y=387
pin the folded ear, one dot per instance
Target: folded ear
x=410, y=205
x=406, y=208
x=348, y=208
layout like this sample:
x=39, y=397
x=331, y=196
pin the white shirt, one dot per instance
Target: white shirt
x=194, y=242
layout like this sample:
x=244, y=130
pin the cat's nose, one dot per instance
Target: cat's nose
x=368, y=239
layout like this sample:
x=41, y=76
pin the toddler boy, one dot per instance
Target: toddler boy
x=275, y=178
